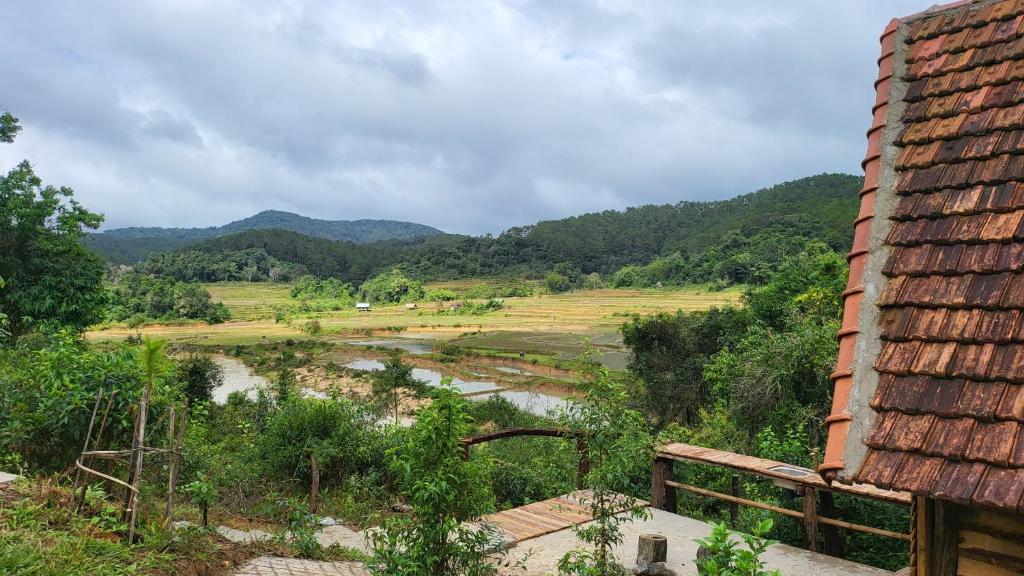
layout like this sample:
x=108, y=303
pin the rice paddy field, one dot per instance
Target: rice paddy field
x=524, y=324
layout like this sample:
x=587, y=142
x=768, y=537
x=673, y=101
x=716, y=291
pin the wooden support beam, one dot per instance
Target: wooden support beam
x=734, y=507
x=663, y=494
x=810, y=505
x=833, y=541
x=944, y=535
x=920, y=543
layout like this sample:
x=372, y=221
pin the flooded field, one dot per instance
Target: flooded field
x=412, y=346
x=611, y=351
x=538, y=403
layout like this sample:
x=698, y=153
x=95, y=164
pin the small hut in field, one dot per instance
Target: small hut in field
x=929, y=386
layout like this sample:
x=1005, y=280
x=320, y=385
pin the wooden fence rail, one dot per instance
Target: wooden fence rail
x=804, y=482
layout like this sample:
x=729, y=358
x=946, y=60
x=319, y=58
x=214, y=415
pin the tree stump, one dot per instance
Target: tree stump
x=651, y=548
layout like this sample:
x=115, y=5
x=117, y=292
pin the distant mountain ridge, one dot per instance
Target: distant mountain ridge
x=737, y=239
x=128, y=245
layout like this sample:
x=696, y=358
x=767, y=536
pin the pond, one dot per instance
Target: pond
x=431, y=377
x=533, y=402
x=414, y=347
x=237, y=378
x=509, y=370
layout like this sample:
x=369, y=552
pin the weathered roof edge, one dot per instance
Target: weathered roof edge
x=839, y=421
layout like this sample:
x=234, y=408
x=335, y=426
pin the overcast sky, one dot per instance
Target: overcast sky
x=470, y=115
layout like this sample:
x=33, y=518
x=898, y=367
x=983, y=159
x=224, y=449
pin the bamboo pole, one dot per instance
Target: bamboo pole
x=85, y=448
x=172, y=481
x=171, y=421
x=137, y=442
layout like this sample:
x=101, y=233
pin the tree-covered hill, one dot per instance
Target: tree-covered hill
x=727, y=239
x=128, y=245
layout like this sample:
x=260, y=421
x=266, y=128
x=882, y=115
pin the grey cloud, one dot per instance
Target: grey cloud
x=470, y=116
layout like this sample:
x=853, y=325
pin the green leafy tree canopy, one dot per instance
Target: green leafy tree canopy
x=49, y=276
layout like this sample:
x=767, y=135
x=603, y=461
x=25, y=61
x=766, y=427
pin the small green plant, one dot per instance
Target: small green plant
x=105, y=515
x=616, y=443
x=302, y=527
x=284, y=385
x=445, y=490
x=204, y=493
x=726, y=556
x=395, y=377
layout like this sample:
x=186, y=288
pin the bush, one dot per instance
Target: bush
x=48, y=386
x=728, y=559
x=341, y=435
x=311, y=327
x=440, y=295
x=197, y=376
x=444, y=490
x=556, y=283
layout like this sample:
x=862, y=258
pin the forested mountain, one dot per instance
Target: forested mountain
x=730, y=239
x=127, y=245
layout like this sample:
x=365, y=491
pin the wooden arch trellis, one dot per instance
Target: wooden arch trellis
x=581, y=445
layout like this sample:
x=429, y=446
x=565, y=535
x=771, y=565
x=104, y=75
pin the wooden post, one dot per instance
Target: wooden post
x=314, y=489
x=943, y=538
x=734, y=507
x=833, y=540
x=920, y=532
x=651, y=548
x=584, y=466
x=811, y=517
x=663, y=496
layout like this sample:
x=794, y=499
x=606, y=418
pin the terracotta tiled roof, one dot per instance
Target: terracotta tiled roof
x=945, y=169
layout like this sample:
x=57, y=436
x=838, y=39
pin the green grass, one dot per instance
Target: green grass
x=251, y=300
x=593, y=312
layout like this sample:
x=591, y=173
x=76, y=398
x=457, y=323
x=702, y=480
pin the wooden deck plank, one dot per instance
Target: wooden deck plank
x=542, y=518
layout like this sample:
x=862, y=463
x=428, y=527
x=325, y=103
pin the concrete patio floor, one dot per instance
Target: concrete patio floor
x=545, y=551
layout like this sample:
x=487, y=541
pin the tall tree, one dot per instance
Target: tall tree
x=49, y=276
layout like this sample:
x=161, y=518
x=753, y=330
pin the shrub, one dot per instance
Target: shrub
x=556, y=283
x=440, y=295
x=311, y=327
x=341, y=435
x=198, y=375
x=48, y=387
x=444, y=490
x=204, y=493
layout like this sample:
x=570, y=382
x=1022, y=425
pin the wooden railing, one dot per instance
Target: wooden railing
x=808, y=487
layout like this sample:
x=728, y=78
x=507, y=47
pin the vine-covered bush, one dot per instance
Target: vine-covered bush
x=48, y=387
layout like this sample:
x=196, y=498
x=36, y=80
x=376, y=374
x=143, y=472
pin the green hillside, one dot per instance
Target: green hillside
x=729, y=239
x=128, y=245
